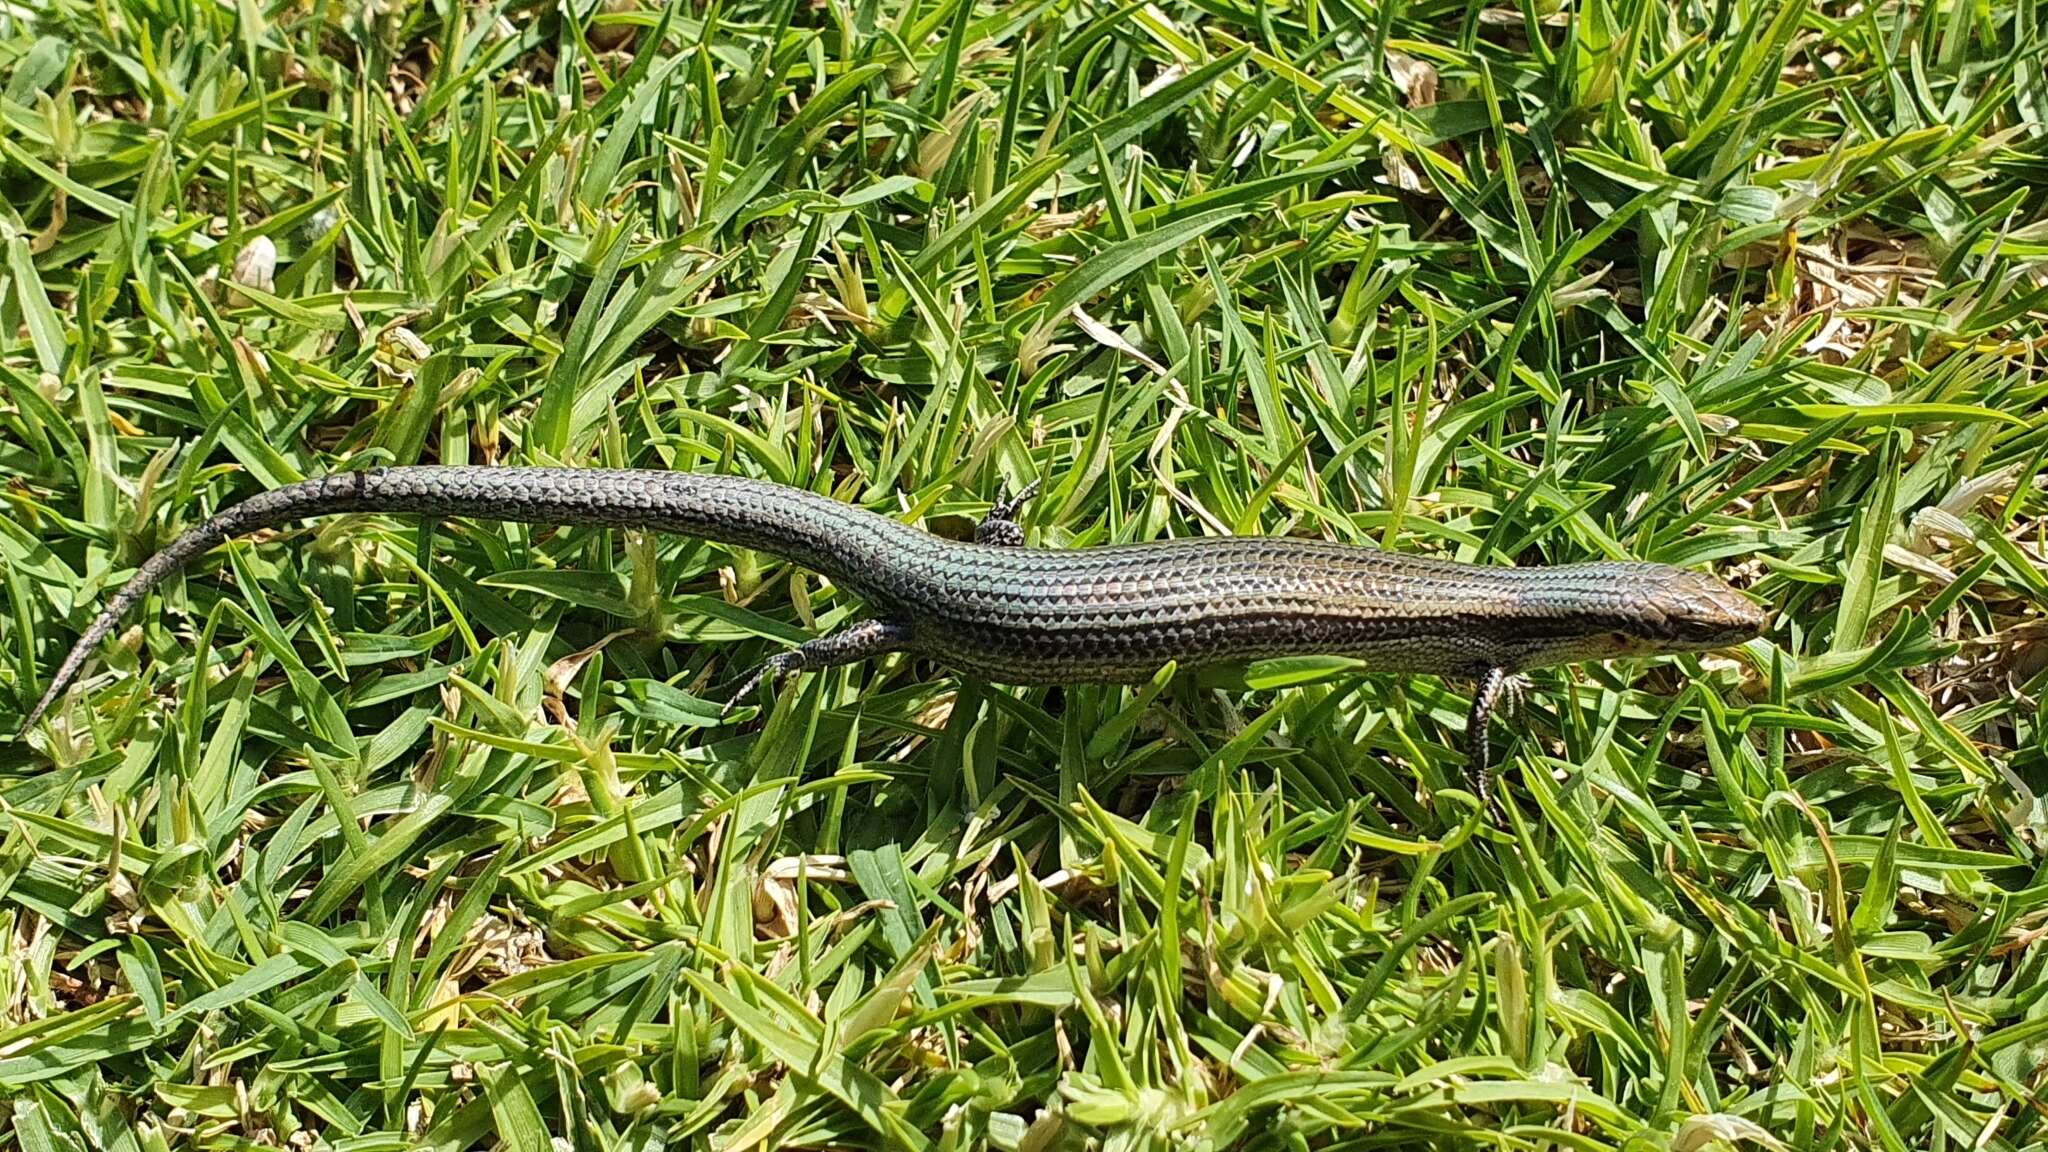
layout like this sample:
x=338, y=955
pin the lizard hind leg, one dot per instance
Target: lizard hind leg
x=1495, y=686
x=863, y=641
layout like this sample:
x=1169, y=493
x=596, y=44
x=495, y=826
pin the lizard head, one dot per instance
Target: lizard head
x=1610, y=610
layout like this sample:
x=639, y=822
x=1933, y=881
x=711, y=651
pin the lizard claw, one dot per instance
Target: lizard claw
x=1006, y=507
x=1512, y=691
x=1000, y=527
x=773, y=669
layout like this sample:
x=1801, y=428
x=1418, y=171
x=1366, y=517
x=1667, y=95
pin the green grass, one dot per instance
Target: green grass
x=375, y=835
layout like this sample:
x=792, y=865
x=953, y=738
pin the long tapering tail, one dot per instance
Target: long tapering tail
x=267, y=510
x=850, y=545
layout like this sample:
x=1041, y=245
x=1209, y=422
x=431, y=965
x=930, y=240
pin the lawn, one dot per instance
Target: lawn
x=375, y=834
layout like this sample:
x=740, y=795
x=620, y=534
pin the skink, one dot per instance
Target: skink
x=1021, y=615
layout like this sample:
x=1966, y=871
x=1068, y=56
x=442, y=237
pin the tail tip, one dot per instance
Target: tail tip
x=44, y=707
x=28, y=725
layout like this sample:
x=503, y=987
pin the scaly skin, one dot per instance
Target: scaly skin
x=1030, y=615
